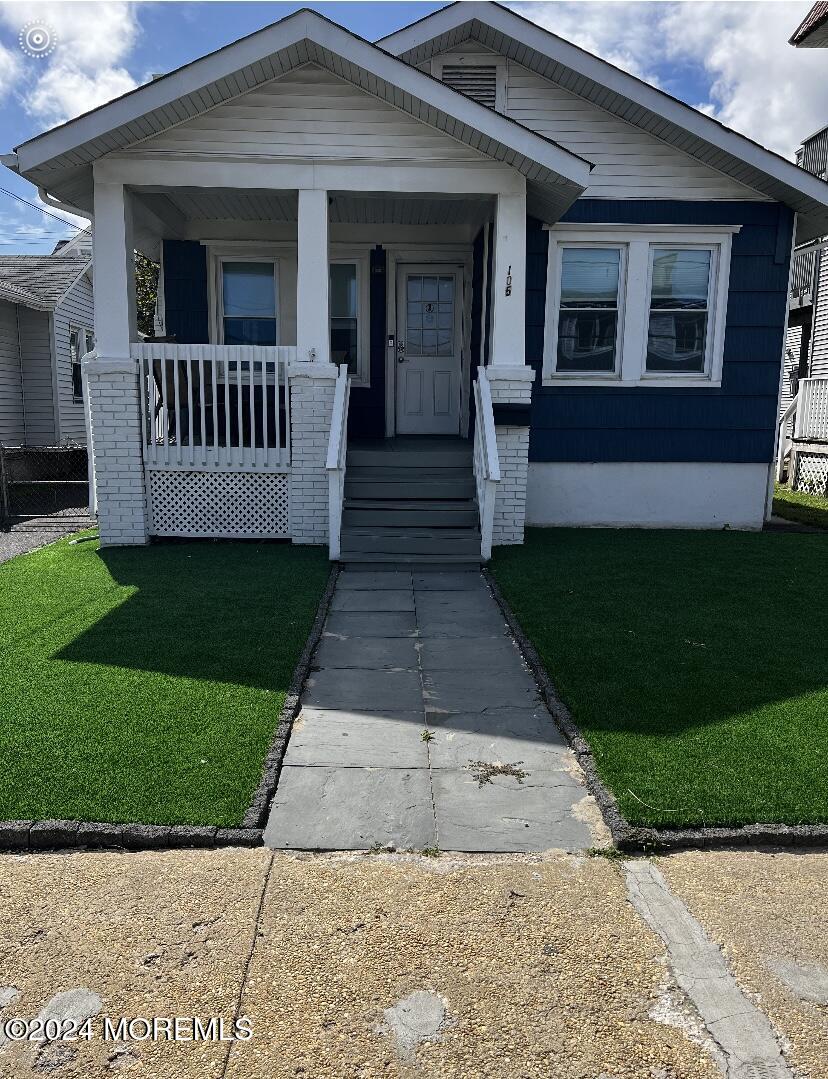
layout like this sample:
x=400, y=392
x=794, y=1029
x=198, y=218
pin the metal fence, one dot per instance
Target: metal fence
x=40, y=481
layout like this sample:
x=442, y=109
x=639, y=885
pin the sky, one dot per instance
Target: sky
x=730, y=59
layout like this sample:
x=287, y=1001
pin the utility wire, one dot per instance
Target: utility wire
x=42, y=210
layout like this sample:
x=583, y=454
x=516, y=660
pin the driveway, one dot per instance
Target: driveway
x=361, y=965
x=421, y=727
x=32, y=533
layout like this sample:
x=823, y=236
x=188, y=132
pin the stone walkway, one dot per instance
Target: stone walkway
x=422, y=728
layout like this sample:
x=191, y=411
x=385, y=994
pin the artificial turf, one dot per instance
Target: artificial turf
x=695, y=663
x=798, y=506
x=145, y=684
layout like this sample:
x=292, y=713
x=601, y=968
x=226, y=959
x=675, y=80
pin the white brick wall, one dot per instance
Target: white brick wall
x=117, y=447
x=311, y=404
x=513, y=451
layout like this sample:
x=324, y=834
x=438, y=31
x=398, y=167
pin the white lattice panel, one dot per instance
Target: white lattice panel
x=812, y=473
x=232, y=505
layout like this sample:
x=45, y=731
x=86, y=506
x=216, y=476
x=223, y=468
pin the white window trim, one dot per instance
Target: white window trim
x=362, y=260
x=84, y=333
x=476, y=59
x=635, y=297
x=252, y=256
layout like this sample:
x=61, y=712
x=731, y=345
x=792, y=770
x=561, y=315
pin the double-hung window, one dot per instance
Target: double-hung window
x=81, y=341
x=628, y=305
x=249, y=302
x=350, y=343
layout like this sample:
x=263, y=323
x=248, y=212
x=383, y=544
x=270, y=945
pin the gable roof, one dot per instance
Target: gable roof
x=612, y=89
x=812, y=32
x=60, y=159
x=39, y=281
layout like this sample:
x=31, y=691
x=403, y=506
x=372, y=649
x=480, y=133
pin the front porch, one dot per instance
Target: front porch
x=247, y=411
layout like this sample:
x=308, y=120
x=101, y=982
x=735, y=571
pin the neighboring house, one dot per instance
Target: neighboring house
x=812, y=32
x=46, y=325
x=573, y=284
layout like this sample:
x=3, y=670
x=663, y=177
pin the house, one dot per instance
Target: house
x=417, y=294
x=812, y=32
x=46, y=326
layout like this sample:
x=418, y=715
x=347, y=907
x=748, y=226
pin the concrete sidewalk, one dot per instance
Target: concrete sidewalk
x=421, y=727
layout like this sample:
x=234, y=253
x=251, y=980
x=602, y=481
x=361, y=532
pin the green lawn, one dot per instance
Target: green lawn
x=796, y=506
x=145, y=684
x=695, y=663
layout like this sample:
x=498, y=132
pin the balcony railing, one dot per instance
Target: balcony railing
x=215, y=407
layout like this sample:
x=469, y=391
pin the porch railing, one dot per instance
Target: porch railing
x=804, y=420
x=215, y=407
x=335, y=464
x=486, y=462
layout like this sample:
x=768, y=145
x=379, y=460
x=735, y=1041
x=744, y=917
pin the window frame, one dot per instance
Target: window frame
x=620, y=308
x=253, y=256
x=639, y=242
x=361, y=259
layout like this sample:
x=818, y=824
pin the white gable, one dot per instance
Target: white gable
x=311, y=113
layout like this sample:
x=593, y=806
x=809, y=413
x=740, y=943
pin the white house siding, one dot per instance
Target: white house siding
x=38, y=393
x=75, y=309
x=12, y=428
x=630, y=163
x=819, y=340
x=311, y=113
x=790, y=365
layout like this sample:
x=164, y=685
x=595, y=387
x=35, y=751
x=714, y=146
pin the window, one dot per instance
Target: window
x=588, y=312
x=679, y=308
x=350, y=342
x=629, y=305
x=81, y=341
x=249, y=302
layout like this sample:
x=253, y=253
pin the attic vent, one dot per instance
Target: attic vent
x=477, y=81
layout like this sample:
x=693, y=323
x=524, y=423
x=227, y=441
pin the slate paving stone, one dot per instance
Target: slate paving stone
x=436, y=604
x=355, y=739
x=456, y=691
x=351, y=809
x=469, y=581
x=364, y=690
x=506, y=816
x=448, y=623
x=367, y=653
x=502, y=735
x=472, y=654
x=347, y=624
x=375, y=580
x=388, y=600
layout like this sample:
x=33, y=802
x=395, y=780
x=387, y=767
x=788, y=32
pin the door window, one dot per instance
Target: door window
x=429, y=315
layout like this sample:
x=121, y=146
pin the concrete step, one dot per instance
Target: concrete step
x=461, y=457
x=387, y=486
x=422, y=513
x=355, y=560
x=444, y=542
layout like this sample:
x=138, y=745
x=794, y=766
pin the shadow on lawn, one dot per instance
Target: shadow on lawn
x=215, y=612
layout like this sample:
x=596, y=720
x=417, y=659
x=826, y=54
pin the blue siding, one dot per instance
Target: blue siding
x=185, y=292
x=733, y=423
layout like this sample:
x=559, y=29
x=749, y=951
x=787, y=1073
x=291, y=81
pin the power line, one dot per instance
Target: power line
x=41, y=210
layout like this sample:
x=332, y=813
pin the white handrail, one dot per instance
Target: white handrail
x=335, y=464
x=784, y=442
x=486, y=462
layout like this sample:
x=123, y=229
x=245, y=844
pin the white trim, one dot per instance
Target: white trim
x=638, y=232
x=361, y=258
x=216, y=300
x=768, y=169
x=634, y=302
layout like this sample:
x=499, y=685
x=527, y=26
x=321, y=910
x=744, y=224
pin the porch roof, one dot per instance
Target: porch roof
x=624, y=95
x=60, y=160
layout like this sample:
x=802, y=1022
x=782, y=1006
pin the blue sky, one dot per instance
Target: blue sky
x=730, y=59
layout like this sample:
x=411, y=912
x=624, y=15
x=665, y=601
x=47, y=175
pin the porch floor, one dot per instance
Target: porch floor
x=422, y=728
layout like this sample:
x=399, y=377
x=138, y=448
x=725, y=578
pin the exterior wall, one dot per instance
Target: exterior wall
x=38, y=376
x=819, y=346
x=311, y=404
x=647, y=495
x=510, y=387
x=311, y=113
x=630, y=163
x=75, y=309
x=185, y=292
x=733, y=423
x=790, y=366
x=366, y=410
x=12, y=426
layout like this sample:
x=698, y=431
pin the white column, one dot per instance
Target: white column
x=114, y=277
x=508, y=340
x=312, y=285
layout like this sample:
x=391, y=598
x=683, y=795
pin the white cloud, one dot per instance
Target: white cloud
x=10, y=64
x=758, y=84
x=87, y=66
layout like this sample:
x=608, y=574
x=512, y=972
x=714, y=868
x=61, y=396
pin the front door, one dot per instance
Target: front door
x=429, y=347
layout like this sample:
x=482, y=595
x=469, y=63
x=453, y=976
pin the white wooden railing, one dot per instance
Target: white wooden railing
x=215, y=407
x=804, y=420
x=335, y=464
x=486, y=462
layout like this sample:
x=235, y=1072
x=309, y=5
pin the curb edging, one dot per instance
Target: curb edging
x=625, y=836
x=27, y=836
